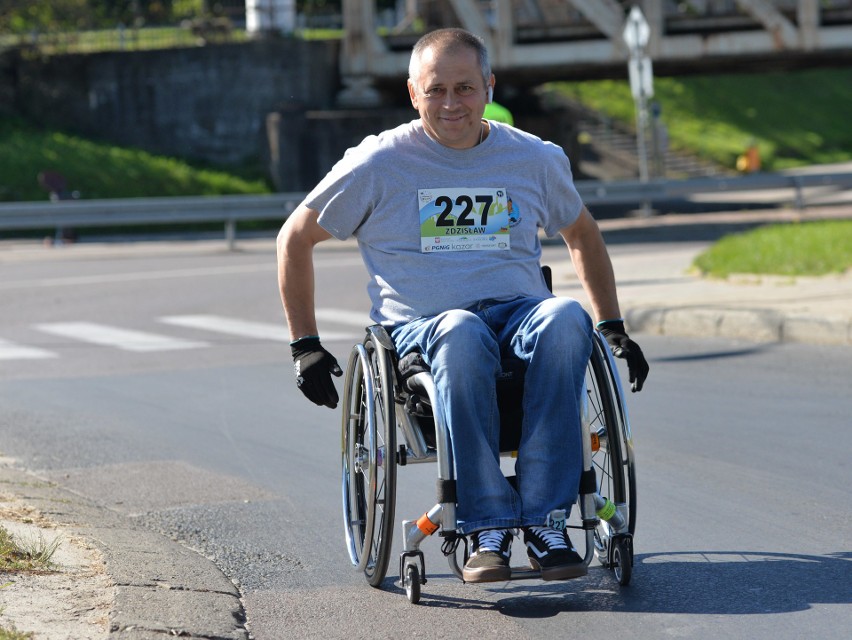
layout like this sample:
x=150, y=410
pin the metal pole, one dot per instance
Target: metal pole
x=641, y=128
x=642, y=148
x=231, y=233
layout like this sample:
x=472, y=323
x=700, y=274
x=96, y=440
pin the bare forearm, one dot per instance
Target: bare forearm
x=296, y=283
x=593, y=266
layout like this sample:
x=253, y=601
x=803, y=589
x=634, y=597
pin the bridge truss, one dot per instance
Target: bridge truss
x=532, y=41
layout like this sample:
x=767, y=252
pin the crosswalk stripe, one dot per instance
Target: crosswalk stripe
x=125, y=339
x=12, y=351
x=245, y=328
x=139, y=341
x=232, y=326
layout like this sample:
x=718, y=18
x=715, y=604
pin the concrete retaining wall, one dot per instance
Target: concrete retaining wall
x=207, y=103
x=224, y=104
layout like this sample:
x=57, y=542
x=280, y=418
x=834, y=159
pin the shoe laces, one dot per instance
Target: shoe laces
x=491, y=540
x=553, y=538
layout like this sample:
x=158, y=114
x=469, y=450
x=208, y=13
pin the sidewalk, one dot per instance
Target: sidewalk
x=660, y=296
x=114, y=577
x=120, y=579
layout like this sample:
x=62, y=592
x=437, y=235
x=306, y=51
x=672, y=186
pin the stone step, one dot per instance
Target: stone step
x=611, y=148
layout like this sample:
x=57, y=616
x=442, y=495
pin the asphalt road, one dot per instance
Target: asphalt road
x=184, y=418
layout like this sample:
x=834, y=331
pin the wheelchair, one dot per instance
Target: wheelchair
x=384, y=397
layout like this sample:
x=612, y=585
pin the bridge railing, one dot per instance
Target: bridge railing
x=229, y=210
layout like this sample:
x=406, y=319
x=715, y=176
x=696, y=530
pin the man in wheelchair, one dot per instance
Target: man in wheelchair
x=447, y=211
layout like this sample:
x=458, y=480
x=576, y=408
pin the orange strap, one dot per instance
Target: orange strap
x=426, y=525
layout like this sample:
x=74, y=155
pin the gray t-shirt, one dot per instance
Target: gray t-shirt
x=376, y=193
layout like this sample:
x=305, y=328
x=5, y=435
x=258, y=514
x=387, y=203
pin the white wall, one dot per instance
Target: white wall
x=270, y=15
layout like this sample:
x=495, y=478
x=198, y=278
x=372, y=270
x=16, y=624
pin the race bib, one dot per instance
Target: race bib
x=475, y=219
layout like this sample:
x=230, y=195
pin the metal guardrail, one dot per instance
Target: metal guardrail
x=231, y=209
x=145, y=211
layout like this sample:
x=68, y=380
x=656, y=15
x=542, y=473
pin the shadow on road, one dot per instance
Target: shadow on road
x=715, y=355
x=698, y=582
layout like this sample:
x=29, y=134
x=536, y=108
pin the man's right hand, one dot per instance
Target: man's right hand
x=314, y=366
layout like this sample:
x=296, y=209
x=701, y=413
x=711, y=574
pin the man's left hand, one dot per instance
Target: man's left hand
x=623, y=347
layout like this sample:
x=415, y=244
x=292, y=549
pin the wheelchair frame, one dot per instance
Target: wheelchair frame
x=375, y=408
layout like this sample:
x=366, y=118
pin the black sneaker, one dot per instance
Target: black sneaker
x=489, y=560
x=551, y=552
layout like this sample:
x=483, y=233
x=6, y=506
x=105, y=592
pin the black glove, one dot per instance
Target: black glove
x=312, y=365
x=623, y=347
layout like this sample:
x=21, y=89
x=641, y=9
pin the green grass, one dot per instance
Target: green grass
x=102, y=170
x=95, y=40
x=320, y=34
x=20, y=556
x=795, y=249
x=13, y=634
x=795, y=118
x=35, y=555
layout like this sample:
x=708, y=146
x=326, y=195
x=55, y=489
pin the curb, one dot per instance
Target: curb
x=160, y=587
x=755, y=325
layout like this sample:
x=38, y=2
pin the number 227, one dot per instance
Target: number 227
x=466, y=203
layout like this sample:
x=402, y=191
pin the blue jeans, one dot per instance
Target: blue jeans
x=553, y=336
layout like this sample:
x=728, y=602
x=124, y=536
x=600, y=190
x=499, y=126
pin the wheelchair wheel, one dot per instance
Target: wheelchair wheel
x=412, y=583
x=369, y=459
x=612, y=458
x=622, y=561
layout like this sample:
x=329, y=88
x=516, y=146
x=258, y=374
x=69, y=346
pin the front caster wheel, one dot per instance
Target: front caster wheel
x=412, y=583
x=622, y=562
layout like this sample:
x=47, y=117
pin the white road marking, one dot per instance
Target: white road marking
x=125, y=339
x=232, y=326
x=251, y=329
x=12, y=351
x=144, y=342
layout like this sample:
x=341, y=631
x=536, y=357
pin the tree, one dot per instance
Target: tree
x=25, y=16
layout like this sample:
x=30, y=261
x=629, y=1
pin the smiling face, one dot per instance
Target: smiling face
x=450, y=94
